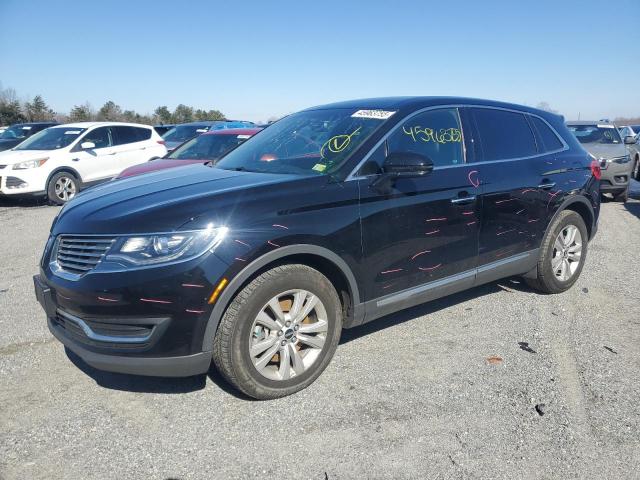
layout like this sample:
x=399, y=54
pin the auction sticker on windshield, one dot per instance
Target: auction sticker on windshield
x=375, y=114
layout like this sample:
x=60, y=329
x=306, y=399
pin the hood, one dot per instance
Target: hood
x=154, y=165
x=9, y=157
x=160, y=201
x=604, y=150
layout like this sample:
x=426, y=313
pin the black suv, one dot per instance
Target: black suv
x=19, y=132
x=330, y=218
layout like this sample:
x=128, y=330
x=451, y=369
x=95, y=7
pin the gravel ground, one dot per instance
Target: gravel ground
x=496, y=382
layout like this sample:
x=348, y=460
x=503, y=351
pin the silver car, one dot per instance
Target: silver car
x=632, y=131
x=603, y=141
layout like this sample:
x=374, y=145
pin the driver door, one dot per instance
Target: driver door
x=99, y=162
x=420, y=234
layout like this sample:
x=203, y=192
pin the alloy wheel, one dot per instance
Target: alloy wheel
x=65, y=189
x=567, y=253
x=288, y=335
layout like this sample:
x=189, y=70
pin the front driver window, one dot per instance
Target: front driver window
x=435, y=134
x=100, y=137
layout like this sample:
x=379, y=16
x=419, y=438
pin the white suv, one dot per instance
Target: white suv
x=59, y=161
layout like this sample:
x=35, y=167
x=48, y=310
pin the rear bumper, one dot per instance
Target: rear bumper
x=183, y=366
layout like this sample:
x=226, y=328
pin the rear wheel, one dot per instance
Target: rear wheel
x=562, y=254
x=279, y=333
x=62, y=187
x=636, y=168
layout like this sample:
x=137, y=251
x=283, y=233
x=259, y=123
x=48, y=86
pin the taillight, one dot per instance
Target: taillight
x=595, y=169
x=161, y=142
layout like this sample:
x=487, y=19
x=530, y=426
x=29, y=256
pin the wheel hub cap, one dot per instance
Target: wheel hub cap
x=288, y=335
x=567, y=253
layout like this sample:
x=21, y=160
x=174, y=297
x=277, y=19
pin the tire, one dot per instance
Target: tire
x=548, y=281
x=62, y=187
x=244, y=324
x=622, y=196
x=636, y=169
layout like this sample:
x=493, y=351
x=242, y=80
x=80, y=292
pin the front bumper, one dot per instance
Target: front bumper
x=22, y=182
x=147, y=322
x=615, y=177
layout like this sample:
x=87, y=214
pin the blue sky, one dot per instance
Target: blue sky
x=257, y=59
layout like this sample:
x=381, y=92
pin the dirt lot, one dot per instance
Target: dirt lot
x=413, y=395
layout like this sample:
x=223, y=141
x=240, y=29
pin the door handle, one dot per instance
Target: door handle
x=463, y=200
x=547, y=185
x=75, y=159
x=112, y=153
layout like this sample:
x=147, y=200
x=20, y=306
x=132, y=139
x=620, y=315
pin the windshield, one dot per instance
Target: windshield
x=17, y=131
x=310, y=142
x=207, y=147
x=51, y=139
x=595, y=134
x=183, y=133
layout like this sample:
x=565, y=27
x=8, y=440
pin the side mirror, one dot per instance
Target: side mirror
x=630, y=140
x=87, y=145
x=407, y=165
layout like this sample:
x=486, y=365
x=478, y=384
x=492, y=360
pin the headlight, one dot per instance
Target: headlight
x=30, y=164
x=624, y=159
x=162, y=248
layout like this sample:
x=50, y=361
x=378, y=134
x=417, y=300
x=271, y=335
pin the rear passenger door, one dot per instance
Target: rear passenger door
x=131, y=144
x=518, y=185
x=419, y=231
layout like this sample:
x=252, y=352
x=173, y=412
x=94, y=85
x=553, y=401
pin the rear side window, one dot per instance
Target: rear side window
x=504, y=134
x=435, y=134
x=550, y=140
x=124, y=135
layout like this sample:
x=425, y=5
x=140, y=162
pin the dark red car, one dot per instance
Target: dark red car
x=208, y=147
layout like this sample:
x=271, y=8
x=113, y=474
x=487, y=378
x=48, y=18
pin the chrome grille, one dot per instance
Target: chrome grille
x=79, y=254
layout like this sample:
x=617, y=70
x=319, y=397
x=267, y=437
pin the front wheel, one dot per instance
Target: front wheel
x=62, y=187
x=279, y=332
x=562, y=254
x=622, y=196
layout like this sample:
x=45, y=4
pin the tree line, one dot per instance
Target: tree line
x=13, y=110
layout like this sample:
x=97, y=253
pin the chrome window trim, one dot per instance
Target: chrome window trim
x=353, y=176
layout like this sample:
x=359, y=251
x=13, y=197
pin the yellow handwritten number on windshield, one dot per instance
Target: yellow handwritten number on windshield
x=338, y=143
x=444, y=135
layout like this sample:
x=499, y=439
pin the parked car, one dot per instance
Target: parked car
x=603, y=141
x=631, y=135
x=186, y=131
x=15, y=134
x=60, y=161
x=162, y=129
x=208, y=147
x=328, y=219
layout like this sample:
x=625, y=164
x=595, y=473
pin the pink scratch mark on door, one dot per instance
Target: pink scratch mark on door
x=468, y=213
x=504, y=201
x=242, y=243
x=432, y=232
x=105, y=299
x=273, y=244
x=391, y=271
x=420, y=253
x=533, y=220
x=526, y=190
x=506, y=231
x=471, y=223
x=277, y=225
x=439, y=219
x=429, y=269
x=473, y=178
